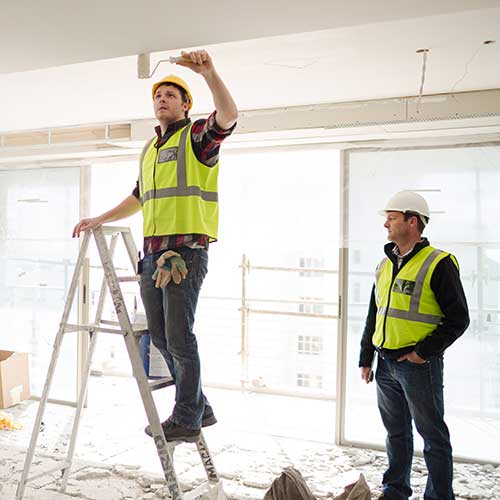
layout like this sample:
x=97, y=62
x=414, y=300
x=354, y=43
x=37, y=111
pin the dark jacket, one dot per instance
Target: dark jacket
x=447, y=287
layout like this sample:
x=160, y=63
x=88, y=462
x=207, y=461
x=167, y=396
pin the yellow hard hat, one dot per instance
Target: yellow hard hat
x=178, y=81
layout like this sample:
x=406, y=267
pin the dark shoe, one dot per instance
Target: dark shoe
x=207, y=421
x=174, y=432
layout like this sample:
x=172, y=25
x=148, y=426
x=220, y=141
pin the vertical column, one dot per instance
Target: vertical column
x=343, y=298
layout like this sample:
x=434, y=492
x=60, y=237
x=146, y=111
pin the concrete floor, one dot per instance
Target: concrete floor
x=116, y=460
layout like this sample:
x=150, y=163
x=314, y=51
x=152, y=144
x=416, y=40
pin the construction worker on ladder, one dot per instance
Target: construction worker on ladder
x=417, y=310
x=177, y=192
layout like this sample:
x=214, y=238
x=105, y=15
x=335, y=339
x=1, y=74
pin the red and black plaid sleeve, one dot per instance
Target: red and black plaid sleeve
x=206, y=138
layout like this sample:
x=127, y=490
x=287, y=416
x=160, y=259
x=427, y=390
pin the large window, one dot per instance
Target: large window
x=38, y=209
x=461, y=186
x=278, y=217
x=279, y=210
x=310, y=345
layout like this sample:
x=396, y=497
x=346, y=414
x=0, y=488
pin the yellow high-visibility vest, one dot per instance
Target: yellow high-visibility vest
x=407, y=309
x=177, y=192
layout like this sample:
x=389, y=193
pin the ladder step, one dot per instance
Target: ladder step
x=161, y=383
x=200, y=490
x=89, y=328
x=135, y=326
x=64, y=465
x=123, y=279
x=138, y=331
x=115, y=229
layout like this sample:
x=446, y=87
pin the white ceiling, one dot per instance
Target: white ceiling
x=49, y=33
x=325, y=51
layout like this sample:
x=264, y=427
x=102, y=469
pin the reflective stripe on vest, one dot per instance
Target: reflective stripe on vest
x=141, y=158
x=377, y=276
x=179, y=191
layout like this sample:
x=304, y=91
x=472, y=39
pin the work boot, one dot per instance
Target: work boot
x=207, y=420
x=174, y=432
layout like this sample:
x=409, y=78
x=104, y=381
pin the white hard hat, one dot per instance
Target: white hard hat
x=408, y=201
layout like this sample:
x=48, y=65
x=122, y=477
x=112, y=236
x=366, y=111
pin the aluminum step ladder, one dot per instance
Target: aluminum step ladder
x=212, y=488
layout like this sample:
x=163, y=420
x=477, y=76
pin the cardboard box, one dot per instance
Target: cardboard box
x=14, y=378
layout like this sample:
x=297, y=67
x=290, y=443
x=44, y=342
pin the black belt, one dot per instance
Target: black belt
x=394, y=353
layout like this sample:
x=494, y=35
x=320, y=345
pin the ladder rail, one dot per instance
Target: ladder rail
x=104, y=285
x=206, y=459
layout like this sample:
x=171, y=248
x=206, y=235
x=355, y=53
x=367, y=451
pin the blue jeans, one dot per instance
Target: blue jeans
x=170, y=313
x=407, y=391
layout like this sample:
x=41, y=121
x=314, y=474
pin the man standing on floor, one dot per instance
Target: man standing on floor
x=177, y=192
x=417, y=310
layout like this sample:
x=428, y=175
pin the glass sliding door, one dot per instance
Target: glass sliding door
x=38, y=209
x=461, y=187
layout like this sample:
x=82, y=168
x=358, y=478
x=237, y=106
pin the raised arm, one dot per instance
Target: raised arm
x=129, y=206
x=200, y=62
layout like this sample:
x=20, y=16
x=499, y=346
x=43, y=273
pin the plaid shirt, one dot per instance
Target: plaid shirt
x=395, y=251
x=206, y=138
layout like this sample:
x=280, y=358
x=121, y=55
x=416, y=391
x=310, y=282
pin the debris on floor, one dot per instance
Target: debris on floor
x=7, y=422
x=115, y=459
x=356, y=491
